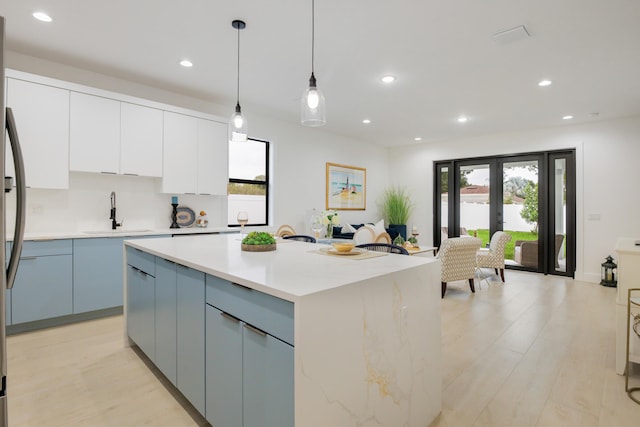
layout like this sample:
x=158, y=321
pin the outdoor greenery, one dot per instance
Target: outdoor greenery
x=530, y=205
x=509, y=248
x=396, y=206
x=464, y=182
x=244, y=188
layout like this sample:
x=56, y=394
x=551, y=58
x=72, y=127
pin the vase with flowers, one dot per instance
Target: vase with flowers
x=330, y=218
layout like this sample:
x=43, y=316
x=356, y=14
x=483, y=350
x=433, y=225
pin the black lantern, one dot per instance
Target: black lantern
x=609, y=273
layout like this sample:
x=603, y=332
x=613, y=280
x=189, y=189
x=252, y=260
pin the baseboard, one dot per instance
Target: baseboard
x=62, y=320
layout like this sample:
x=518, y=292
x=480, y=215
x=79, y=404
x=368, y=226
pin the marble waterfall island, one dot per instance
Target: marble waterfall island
x=363, y=334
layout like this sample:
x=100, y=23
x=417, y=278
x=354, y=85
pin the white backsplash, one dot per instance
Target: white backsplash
x=86, y=205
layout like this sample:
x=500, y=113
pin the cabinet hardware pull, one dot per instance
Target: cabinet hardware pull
x=229, y=317
x=241, y=286
x=109, y=173
x=27, y=258
x=130, y=174
x=255, y=330
x=190, y=193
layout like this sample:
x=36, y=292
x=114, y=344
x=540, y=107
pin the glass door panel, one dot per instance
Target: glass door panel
x=474, y=201
x=444, y=202
x=559, y=196
x=520, y=212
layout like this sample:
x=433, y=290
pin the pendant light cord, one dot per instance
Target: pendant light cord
x=313, y=32
x=238, y=86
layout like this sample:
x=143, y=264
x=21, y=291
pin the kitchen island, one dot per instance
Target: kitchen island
x=294, y=334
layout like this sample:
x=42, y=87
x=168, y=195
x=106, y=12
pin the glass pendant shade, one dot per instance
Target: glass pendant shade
x=238, y=126
x=312, y=104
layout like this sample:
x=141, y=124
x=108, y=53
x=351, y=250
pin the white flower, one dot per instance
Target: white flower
x=330, y=217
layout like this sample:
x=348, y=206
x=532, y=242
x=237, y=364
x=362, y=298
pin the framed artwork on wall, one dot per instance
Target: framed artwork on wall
x=346, y=187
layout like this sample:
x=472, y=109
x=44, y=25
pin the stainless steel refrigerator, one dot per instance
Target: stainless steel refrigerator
x=11, y=266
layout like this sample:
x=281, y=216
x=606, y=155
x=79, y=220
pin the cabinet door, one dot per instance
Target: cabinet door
x=97, y=274
x=166, y=318
x=94, y=143
x=42, y=119
x=141, y=140
x=224, y=369
x=268, y=380
x=180, y=149
x=43, y=288
x=141, y=310
x=213, y=176
x=190, y=335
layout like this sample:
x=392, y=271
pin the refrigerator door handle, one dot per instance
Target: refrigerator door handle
x=21, y=199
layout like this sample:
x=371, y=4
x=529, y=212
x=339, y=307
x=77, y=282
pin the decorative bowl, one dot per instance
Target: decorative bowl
x=258, y=248
x=343, y=247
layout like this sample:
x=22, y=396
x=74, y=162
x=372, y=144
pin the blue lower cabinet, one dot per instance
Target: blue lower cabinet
x=223, y=369
x=166, y=315
x=267, y=380
x=141, y=310
x=97, y=274
x=190, y=350
x=43, y=285
x=249, y=374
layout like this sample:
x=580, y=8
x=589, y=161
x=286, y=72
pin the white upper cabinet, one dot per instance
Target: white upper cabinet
x=212, y=157
x=141, y=140
x=41, y=113
x=180, y=148
x=94, y=143
x=195, y=155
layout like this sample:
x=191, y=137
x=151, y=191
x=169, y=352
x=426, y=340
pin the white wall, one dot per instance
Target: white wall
x=298, y=155
x=607, y=179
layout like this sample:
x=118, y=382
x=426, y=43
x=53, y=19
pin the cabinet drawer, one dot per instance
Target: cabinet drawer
x=141, y=260
x=33, y=248
x=268, y=313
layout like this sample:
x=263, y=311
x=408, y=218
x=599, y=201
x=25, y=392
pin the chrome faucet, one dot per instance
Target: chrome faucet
x=112, y=217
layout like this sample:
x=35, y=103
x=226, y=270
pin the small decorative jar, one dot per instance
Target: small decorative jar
x=202, y=220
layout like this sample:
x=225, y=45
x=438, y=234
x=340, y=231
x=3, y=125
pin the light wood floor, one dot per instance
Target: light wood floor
x=538, y=351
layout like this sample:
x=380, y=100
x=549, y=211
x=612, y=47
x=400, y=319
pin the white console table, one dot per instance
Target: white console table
x=628, y=277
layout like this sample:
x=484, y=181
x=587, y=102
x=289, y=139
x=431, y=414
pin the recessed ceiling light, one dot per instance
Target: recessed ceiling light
x=366, y=121
x=41, y=16
x=463, y=119
x=388, y=79
x=543, y=83
x=417, y=138
x=567, y=117
x=186, y=63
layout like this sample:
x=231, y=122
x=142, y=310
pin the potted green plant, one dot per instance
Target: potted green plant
x=396, y=209
x=258, y=241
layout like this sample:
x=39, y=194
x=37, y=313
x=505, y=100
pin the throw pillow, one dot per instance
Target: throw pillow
x=347, y=228
x=378, y=227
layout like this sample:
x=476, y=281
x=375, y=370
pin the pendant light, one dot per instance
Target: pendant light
x=313, y=110
x=238, y=123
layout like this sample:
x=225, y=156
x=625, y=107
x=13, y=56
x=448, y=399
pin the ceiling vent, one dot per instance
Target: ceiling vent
x=511, y=35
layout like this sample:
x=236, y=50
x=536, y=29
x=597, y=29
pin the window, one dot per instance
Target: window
x=248, y=188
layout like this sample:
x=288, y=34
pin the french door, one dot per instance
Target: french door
x=529, y=196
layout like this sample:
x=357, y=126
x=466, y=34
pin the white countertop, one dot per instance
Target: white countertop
x=627, y=245
x=290, y=272
x=122, y=233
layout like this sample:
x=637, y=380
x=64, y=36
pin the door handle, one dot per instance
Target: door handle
x=21, y=199
x=255, y=330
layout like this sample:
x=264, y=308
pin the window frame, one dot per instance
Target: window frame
x=256, y=182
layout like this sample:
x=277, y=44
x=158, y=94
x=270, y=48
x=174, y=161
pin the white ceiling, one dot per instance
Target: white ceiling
x=442, y=53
